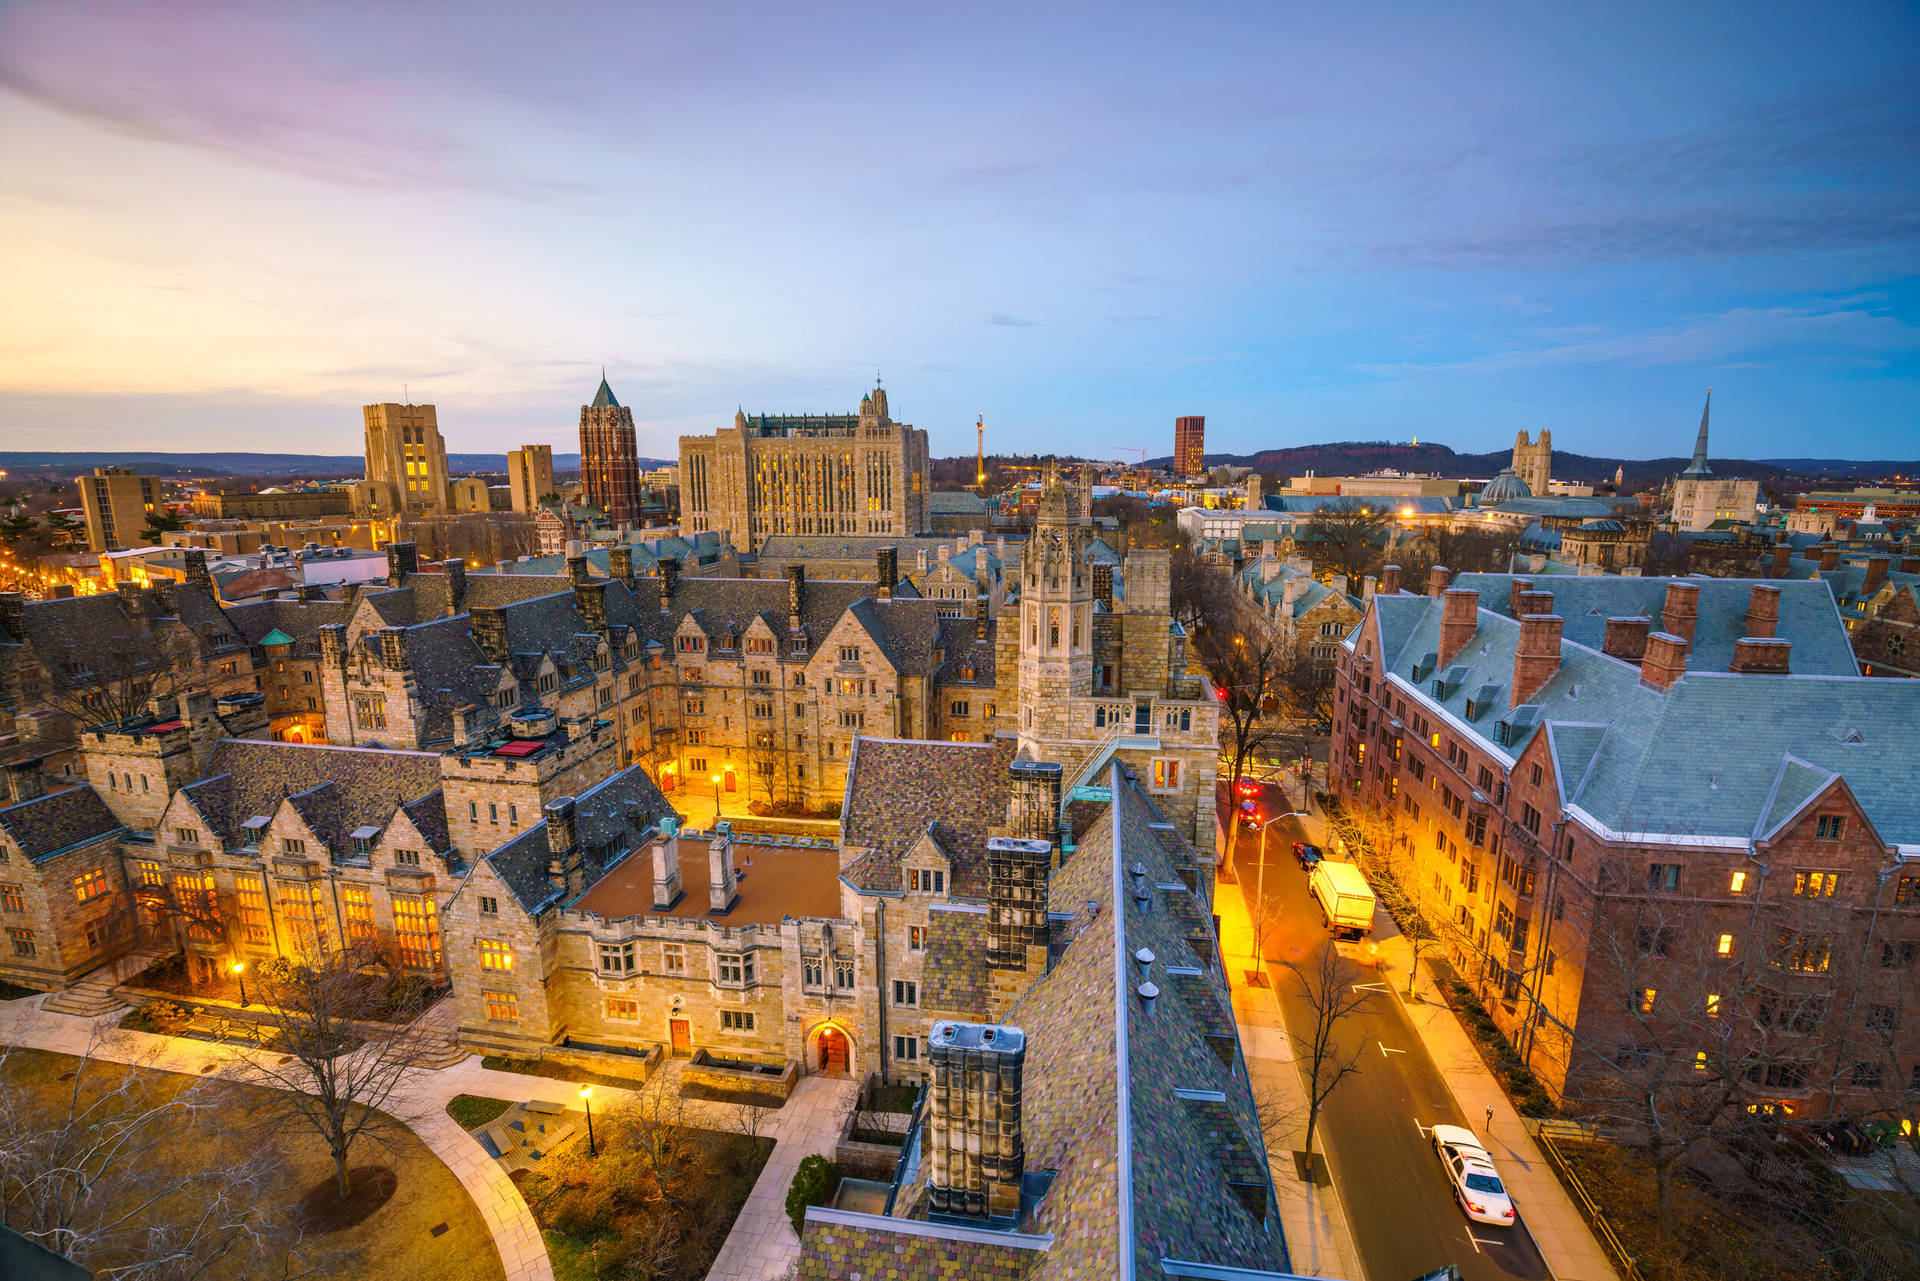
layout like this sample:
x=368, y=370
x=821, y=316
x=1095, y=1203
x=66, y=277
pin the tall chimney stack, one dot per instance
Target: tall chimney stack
x=1516, y=587
x=1537, y=657
x=1627, y=638
x=666, y=866
x=402, y=559
x=1389, y=580
x=887, y=570
x=1682, y=610
x=975, y=1149
x=1876, y=573
x=1459, y=620
x=1437, y=579
x=1763, y=610
x=723, y=891
x=1665, y=661
x=564, y=863
x=620, y=563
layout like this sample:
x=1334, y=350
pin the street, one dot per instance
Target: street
x=1404, y=1219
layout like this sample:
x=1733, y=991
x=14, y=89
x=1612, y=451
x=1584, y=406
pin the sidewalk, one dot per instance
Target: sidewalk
x=1319, y=1242
x=760, y=1245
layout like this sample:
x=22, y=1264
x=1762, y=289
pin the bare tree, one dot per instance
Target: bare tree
x=1326, y=985
x=1200, y=596
x=334, y=1050
x=87, y=1174
x=113, y=675
x=1247, y=672
x=1349, y=535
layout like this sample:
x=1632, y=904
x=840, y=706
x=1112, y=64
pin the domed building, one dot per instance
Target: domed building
x=1504, y=488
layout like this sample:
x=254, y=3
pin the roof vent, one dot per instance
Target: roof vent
x=1853, y=736
x=1148, y=995
x=1144, y=959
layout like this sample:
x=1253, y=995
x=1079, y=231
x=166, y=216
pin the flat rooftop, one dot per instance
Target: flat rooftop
x=776, y=883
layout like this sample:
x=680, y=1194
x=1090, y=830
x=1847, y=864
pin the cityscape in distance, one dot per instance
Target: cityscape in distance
x=990, y=645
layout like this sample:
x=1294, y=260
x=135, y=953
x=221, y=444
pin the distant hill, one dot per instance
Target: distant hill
x=1353, y=458
x=318, y=466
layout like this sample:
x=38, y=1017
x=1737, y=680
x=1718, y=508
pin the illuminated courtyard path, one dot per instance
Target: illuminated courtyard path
x=761, y=1244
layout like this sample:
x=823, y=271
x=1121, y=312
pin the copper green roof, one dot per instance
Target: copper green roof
x=603, y=399
x=276, y=637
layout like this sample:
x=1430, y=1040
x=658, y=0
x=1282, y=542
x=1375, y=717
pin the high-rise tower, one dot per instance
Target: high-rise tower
x=1189, y=445
x=530, y=475
x=609, y=456
x=1533, y=462
x=407, y=457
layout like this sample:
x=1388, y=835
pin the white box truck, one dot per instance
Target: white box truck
x=1346, y=900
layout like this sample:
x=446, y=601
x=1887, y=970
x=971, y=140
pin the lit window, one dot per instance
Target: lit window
x=1738, y=884
x=1713, y=1005
x=916, y=938
x=495, y=955
x=1700, y=1061
x=1646, y=999
x=1725, y=946
x=90, y=884
x=503, y=1006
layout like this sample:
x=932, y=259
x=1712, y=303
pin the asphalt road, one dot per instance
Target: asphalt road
x=1405, y=1221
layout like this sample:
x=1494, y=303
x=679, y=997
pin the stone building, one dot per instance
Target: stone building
x=406, y=462
x=1280, y=599
x=1700, y=498
x=116, y=502
x=530, y=476
x=775, y=474
x=1635, y=805
x=610, y=457
x=1533, y=461
x=63, y=890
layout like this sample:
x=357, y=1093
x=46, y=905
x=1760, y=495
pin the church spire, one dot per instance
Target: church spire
x=603, y=399
x=1699, y=467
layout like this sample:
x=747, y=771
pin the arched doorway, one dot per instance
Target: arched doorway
x=831, y=1051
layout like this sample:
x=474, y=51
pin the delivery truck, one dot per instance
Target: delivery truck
x=1346, y=900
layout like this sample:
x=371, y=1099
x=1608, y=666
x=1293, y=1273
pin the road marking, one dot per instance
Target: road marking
x=1474, y=1240
x=1384, y=1051
x=1478, y=1241
x=1426, y=1131
x=1370, y=987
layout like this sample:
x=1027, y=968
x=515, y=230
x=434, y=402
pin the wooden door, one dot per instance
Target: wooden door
x=682, y=1034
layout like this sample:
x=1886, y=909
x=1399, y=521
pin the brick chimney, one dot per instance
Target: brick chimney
x=1459, y=620
x=24, y=781
x=393, y=649
x=1763, y=610
x=976, y=1154
x=1782, y=553
x=1437, y=579
x=489, y=633
x=1017, y=901
x=886, y=569
x=1515, y=588
x=1910, y=564
x=723, y=891
x=1876, y=573
x=796, y=595
x=1537, y=657
x=1758, y=655
x=1665, y=661
x=196, y=571
x=577, y=569
x=591, y=600
x=669, y=580
x=1682, y=610
x=1627, y=638
x=1033, y=808
x=566, y=864
x=456, y=571
x=1103, y=585
x=666, y=867
x=620, y=564
x=1532, y=602
x=402, y=559
x=1829, y=558
x=1389, y=580
x=333, y=644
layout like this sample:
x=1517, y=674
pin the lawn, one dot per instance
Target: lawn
x=743, y=1098
x=557, y=1071
x=424, y=1226
x=471, y=1111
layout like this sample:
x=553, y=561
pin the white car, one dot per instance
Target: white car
x=1476, y=1184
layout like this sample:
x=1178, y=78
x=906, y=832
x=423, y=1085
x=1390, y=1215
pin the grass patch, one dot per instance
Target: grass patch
x=658, y=1199
x=887, y=1138
x=891, y=1098
x=13, y=991
x=392, y=1238
x=471, y=1111
x=744, y=1098
x=556, y=1071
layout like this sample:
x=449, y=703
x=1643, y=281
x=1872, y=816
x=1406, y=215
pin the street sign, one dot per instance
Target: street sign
x=1101, y=794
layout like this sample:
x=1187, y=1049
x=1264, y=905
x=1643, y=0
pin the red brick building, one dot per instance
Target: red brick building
x=609, y=457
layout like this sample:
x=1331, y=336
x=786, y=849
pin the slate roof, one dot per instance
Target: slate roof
x=1699, y=760
x=71, y=636
x=1586, y=601
x=956, y=979
x=45, y=825
x=335, y=789
x=611, y=818
x=300, y=621
x=898, y=788
x=1273, y=591
x=955, y=502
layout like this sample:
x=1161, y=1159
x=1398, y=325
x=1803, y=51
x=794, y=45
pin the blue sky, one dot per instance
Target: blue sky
x=229, y=227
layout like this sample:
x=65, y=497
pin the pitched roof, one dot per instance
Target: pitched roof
x=335, y=789
x=603, y=398
x=611, y=818
x=898, y=788
x=45, y=825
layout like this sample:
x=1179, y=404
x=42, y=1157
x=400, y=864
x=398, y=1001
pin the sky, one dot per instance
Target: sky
x=228, y=227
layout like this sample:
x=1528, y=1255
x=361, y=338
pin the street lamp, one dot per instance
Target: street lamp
x=586, y=1101
x=240, y=972
x=716, y=799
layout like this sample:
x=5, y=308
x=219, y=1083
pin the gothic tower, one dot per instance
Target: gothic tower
x=609, y=457
x=1056, y=619
x=1532, y=462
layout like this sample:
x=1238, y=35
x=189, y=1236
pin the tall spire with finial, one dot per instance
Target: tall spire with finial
x=1699, y=466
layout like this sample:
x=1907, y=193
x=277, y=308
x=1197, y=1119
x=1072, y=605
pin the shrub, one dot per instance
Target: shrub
x=813, y=1184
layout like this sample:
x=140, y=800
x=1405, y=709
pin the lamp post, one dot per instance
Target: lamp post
x=586, y=1101
x=1260, y=885
x=716, y=801
x=240, y=972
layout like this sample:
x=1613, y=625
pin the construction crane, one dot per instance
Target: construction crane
x=1133, y=449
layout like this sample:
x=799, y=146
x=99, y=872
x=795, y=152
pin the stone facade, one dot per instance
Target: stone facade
x=116, y=502
x=530, y=476
x=406, y=462
x=804, y=474
x=610, y=457
x=1533, y=461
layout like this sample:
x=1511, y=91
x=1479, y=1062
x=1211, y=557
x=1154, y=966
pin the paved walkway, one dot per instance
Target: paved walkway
x=761, y=1244
x=1319, y=1241
x=1566, y=1242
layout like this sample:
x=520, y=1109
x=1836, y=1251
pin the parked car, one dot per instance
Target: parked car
x=1246, y=786
x=1476, y=1184
x=1307, y=854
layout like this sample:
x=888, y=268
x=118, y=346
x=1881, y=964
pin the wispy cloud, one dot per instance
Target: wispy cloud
x=1010, y=321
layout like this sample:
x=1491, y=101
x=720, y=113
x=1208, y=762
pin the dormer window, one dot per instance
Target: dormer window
x=251, y=830
x=927, y=880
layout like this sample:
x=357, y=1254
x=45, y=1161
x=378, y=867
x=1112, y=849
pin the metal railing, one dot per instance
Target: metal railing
x=1596, y=1218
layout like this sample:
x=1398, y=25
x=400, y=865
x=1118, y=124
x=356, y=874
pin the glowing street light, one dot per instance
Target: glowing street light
x=586, y=1101
x=240, y=972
